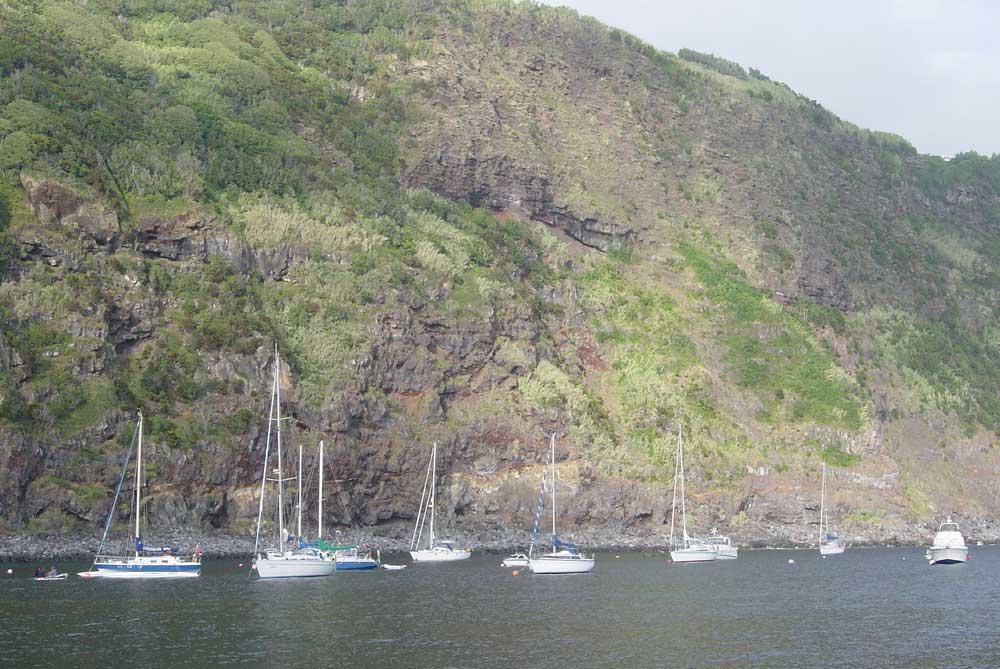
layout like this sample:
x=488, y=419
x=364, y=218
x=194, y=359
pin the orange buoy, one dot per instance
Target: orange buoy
x=515, y=573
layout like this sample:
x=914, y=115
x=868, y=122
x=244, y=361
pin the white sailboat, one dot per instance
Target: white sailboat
x=949, y=545
x=564, y=558
x=436, y=551
x=692, y=549
x=159, y=563
x=287, y=559
x=830, y=542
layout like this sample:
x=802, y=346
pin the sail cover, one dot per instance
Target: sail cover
x=559, y=544
x=538, y=513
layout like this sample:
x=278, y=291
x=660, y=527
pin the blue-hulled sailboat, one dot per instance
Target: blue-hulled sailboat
x=140, y=561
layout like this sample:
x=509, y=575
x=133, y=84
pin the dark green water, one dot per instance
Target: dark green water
x=866, y=608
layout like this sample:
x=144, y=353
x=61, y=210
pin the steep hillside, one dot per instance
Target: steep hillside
x=476, y=222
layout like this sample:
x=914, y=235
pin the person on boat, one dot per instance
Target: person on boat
x=52, y=572
x=39, y=572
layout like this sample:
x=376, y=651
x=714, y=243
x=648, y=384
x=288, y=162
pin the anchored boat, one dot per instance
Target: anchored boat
x=289, y=557
x=436, y=551
x=949, y=545
x=564, y=558
x=830, y=542
x=143, y=562
x=692, y=549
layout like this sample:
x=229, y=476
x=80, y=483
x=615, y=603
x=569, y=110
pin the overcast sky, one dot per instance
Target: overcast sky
x=928, y=70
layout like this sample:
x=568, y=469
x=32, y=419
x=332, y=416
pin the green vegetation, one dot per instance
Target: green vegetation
x=720, y=65
x=837, y=457
x=773, y=352
x=288, y=136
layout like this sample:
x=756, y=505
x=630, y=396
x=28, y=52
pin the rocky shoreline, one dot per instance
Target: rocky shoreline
x=395, y=538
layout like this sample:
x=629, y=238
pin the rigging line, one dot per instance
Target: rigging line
x=121, y=480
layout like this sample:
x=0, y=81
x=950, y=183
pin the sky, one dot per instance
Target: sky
x=928, y=70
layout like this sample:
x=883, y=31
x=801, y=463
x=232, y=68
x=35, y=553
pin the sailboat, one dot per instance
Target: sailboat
x=436, y=551
x=564, y=558
x=692, y=549
x=145, y=562
x=289, y=558
x=830, y=542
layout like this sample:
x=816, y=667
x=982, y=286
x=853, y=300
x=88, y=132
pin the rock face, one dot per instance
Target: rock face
x=52, y=202
x=173, y=238
x=673, y=200
x=499, y=183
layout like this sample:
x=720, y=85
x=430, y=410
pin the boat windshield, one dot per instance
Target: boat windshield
x=948, y=527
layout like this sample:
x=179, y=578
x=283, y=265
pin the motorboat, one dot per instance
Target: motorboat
x=515, y=560
x=722, y=545
x=948, y=546
x=349, y=559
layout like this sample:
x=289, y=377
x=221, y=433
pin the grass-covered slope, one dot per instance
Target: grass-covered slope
x=473, y=222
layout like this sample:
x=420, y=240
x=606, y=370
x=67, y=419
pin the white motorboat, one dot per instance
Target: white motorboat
x=693, y=549
x=830, y=543
x=515, y=560
x=56, y=577
x=564, y=558
x=436, y=551
x=289, y=558
x=722, y=545
x=143, y=562
x=949, y=545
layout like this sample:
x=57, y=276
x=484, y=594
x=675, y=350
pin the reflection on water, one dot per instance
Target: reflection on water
x=866, y=608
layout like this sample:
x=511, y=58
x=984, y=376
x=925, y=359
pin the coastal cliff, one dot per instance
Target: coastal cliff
x=475, y=223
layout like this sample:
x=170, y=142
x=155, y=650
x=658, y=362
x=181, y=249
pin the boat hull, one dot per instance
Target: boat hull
x=284, y=568
x=694, y=555
x=948, y=555
x=146, y=568
x=356, y=565
x=580, y=565
x=726, y=553
x=515, y=562
x=439, y=555
x=832, y=549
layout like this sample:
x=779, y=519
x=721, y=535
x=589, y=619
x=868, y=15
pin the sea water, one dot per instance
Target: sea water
x=869, y=607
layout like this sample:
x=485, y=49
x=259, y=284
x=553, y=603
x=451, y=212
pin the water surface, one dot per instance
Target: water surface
x=866, y=608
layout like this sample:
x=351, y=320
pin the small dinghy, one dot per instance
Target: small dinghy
x=57, y=577
x=516, y=560
x=394, y=567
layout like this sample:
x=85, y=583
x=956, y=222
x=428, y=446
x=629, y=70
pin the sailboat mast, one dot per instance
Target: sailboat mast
x=552, y=445
x=299, y=489
x=138, y=487
x=684, y=517
x=263, y=478
x=281, y=500
x=434, y=462
x=673, y=501
x=319, y=529
x=822, y=503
